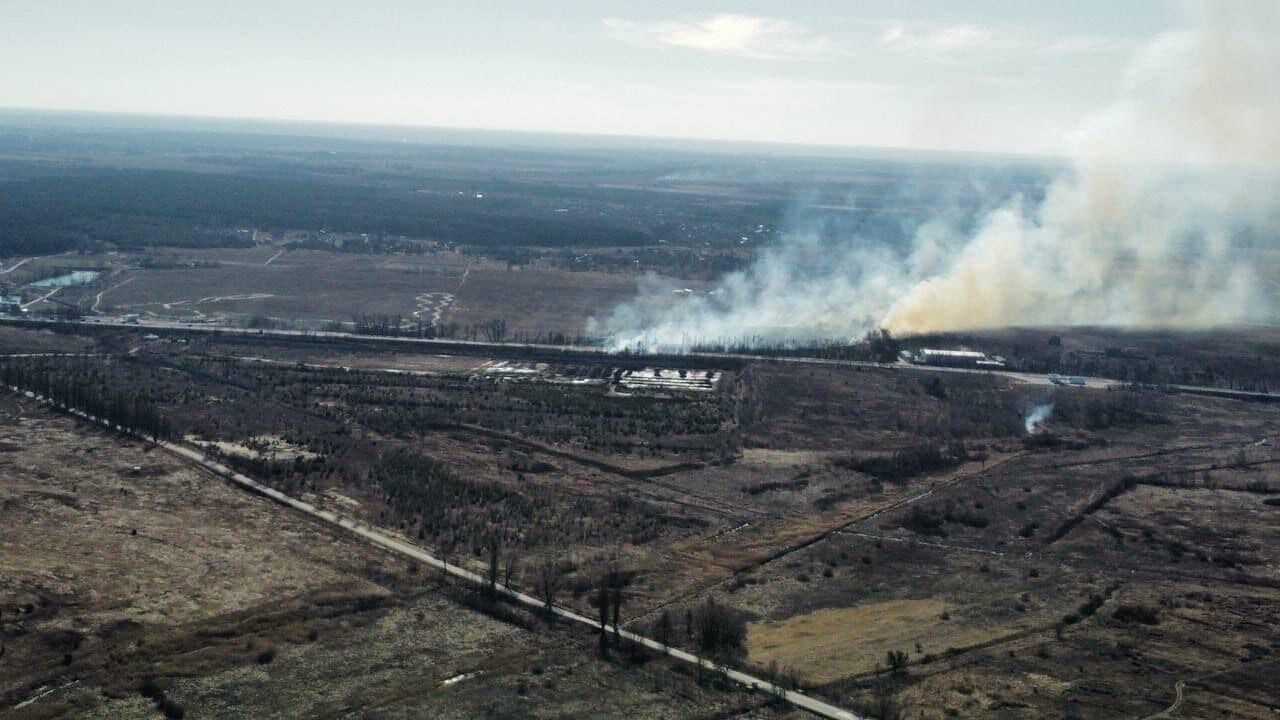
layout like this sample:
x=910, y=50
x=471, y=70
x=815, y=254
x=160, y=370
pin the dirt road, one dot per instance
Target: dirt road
x=1178, y=688
x=41, y=299
x=97, y=299
x=401, y=547
x=15, y=266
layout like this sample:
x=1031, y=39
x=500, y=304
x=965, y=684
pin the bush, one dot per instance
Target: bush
x=908, y=462
x=1137, y=614
x=720, y=630
x=171, y=709
x=150, y=689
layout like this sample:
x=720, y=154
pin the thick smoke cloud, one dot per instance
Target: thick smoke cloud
x=1170, y=196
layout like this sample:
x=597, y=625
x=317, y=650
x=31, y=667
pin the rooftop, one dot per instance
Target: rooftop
x=967, y=354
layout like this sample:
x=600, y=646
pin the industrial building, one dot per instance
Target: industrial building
x=957, y=358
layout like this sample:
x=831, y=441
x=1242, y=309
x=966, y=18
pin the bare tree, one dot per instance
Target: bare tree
x=616, y=603
x=886, y=700
x=495, y=557
x=602, y=600
x=495, y=330
x=720, y=630
x=662, y=628
x=446, y=550
x=549, y=581
x=897, y=660
x=511, y=568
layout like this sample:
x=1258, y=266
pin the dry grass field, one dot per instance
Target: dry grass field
x=132, y=585
x=234, y=285
x=852, y=518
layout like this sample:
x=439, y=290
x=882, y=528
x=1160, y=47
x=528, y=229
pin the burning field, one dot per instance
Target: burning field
x=1164, y=217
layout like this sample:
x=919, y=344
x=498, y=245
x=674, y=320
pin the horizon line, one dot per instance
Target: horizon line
x=669, y=142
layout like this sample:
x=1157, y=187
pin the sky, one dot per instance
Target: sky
x=978, y=75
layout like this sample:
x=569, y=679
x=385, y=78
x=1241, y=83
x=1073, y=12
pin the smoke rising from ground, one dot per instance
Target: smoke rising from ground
x=1170, y=193
x=1038, y=416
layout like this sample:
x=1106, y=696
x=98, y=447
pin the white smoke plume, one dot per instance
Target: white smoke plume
x=1171, y=196
x=1038, y=416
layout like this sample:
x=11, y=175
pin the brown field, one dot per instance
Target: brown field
x=1070, y=573
x=115, y=580
x=232, y=286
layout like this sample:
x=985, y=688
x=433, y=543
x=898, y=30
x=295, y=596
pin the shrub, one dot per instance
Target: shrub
x=171, y=709
x=1137, y=614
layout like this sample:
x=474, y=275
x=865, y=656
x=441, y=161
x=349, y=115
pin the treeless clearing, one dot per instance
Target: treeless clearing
x=833, y=643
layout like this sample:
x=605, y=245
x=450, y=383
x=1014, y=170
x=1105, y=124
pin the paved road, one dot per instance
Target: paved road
x=479, y=347
x=406, y=549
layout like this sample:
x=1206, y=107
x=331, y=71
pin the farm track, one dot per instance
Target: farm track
x=396, y=545
x=1139, y=456
x=1129, y=483
x=15, y=266
x=97, y=299
x=822, y=535
x=42, y=298
x=1180, y=688
x=924, y=543
x=534, y=445
x=960, y=657
x=889, y=507
x=433, y=303
x=646, y=475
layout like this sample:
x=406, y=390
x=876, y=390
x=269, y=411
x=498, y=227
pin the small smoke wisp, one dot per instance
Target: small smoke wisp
x=1038, y=416
x=1161, y=219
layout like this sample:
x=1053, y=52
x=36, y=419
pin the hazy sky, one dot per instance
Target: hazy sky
x=978, y=75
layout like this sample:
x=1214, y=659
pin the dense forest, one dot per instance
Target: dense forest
x=137, y=208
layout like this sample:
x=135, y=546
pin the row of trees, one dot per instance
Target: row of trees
x=132, y=410
x=388, y=325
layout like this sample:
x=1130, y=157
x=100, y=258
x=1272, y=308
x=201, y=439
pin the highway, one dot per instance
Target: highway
x=405, y=549
x=483, y=348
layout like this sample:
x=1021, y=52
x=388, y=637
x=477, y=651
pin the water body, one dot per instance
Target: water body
x=71, y=279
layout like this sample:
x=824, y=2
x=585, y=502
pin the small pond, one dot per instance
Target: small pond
x=71, y=279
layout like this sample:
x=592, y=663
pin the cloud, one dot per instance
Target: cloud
x=941, y=39
x=1085, y=45
x=970, y=39
x=727, y=33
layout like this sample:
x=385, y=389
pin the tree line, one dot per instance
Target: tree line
x=133, y=411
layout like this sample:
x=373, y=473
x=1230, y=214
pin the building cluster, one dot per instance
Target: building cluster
x=956, y=358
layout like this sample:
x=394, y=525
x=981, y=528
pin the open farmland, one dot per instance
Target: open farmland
x=442, y=292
